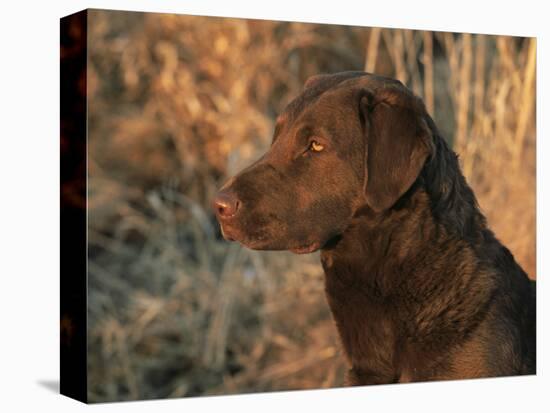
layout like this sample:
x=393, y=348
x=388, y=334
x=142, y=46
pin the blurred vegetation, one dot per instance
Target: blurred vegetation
x=177, y=104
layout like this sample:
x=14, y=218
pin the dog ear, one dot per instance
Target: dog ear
x=398, y=141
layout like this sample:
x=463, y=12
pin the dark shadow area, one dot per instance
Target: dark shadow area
x=51, y=385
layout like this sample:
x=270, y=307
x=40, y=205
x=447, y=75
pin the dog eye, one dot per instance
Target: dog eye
x=315, y=146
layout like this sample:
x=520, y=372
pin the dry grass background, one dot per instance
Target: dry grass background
x=177, y=104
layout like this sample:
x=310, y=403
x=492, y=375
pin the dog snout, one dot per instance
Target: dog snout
x=226, y=204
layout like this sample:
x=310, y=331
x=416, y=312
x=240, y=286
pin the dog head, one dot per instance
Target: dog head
x=348, y=140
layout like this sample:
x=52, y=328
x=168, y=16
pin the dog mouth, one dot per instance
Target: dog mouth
x=226, y=234
x=262, y=243
x=306, y=249
x=253, y=242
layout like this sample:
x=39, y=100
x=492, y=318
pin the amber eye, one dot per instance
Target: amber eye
x=316, y=146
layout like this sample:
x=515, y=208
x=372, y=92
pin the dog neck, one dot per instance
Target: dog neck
x=376, y=247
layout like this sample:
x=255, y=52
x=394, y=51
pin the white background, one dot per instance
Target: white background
x=29, y=204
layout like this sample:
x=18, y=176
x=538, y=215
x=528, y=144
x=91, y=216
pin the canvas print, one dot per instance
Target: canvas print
x=252, y=206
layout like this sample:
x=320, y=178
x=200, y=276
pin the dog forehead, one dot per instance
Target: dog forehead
x=311, y=113
x=320, y=89
x=308, y=100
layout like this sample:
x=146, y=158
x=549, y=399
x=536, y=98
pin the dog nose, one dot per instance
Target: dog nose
x=226, y=204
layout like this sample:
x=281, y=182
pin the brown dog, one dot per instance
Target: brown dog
x=419, y=287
